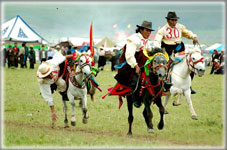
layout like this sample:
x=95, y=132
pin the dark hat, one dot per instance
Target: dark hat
x=147, y=25
x=172, y=15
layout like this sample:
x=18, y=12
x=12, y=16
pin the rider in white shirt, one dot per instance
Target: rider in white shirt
x=133, y=57
x=47, y=74
x=170, y=37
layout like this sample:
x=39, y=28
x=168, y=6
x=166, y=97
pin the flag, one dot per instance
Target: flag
x=91, y=42
x=115, y=26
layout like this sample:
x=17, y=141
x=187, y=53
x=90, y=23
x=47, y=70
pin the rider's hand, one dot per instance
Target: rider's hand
x=54, y=116
x=195, y=40
x=137, y=70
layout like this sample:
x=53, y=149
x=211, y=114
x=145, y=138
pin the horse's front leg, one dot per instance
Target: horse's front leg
x=72, y=102
x=148, y=115
x=177, y=102
x=84, y=109
x=161, y=111
x=65, y=111
x=187, y=94
x=130, y=114
x=166, y=100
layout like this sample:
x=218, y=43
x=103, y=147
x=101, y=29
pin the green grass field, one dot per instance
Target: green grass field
x=27, y=118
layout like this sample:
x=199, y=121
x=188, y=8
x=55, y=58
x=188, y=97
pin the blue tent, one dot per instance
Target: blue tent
x=219, y=48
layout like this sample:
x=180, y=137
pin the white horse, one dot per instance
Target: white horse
x=192, y=61
x=77, y=89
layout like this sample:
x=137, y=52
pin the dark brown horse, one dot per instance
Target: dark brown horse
x=149, y=90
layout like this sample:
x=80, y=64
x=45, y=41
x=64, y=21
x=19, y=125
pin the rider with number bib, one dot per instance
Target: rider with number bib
x=170, y=38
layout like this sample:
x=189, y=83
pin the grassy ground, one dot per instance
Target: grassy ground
x=27, y=117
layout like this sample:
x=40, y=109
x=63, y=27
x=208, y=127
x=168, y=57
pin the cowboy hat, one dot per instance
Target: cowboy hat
x=172, y=15
x=147, y=25
x=44, y=69
x=57, y=46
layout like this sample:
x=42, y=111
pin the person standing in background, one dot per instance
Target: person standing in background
x=26, y=54
x=16, y=52
x=31, y=57
x=42, y=54
x=21, y=56
x=10, y=56
x=50, y=53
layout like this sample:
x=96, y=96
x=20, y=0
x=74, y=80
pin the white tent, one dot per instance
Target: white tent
x=18, y=30
x=77, y=41
x=216, y=46
x=105, y=42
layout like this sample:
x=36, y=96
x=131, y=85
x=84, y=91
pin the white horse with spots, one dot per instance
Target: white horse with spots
x=192, y=61
x=77, y=89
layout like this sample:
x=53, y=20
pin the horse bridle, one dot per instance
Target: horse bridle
x=192, y=63
x=159, y=65
x=83, y=65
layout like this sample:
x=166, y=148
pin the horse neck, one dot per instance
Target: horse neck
x=153, y=79
x=182, y=68
x=79, y=75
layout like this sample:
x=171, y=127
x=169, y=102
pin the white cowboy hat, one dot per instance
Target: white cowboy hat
x=44, y=69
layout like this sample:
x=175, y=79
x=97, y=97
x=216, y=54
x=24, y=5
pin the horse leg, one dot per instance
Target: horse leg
x=65, y=111
x=187, y=94
x=92, y=97
x=166, y=100
x=177, y=102
x=72, y=102
x=84, y=109
x=161, y=111
x=148, y=115
x=130, y=115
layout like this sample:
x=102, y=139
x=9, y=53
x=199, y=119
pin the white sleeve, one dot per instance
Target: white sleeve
x=130, y=53
x=158, y=38
x=58, y=58
x=46, y=94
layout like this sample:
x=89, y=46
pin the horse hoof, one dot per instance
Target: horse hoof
x=66, y=126
x=53, y=125
x=84, y=120
x=176, y=104
x=73, y=123
x=129, y=134
x=166, y=112
x=194, y=117
x=149, y=130
x=160, y=126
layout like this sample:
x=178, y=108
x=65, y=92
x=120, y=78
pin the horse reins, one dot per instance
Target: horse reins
x=193, y=63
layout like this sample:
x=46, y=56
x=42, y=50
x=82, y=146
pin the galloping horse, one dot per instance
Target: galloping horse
x=148, y=89
x=77, y=89
x=192, y=61
x=151, y=89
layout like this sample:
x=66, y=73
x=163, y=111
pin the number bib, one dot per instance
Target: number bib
x=172, y=33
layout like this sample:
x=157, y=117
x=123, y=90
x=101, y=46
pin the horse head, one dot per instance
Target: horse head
x=158, y=59
x=195, y=61
x=84, y=64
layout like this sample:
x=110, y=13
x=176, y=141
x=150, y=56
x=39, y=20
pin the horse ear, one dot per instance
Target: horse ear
x=89, y=53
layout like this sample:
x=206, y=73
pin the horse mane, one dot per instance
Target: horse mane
x=155, y=50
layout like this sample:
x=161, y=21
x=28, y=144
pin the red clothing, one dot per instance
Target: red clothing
x=15, y=50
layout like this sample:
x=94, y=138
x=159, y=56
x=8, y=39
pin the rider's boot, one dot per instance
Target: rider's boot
x=134, y=86
x=167, y=86
x=192, y=91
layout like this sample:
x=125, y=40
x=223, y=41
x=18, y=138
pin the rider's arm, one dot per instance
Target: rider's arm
x=46, y=94
x=130, y=53
x=158, y=38
x=187, y=33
